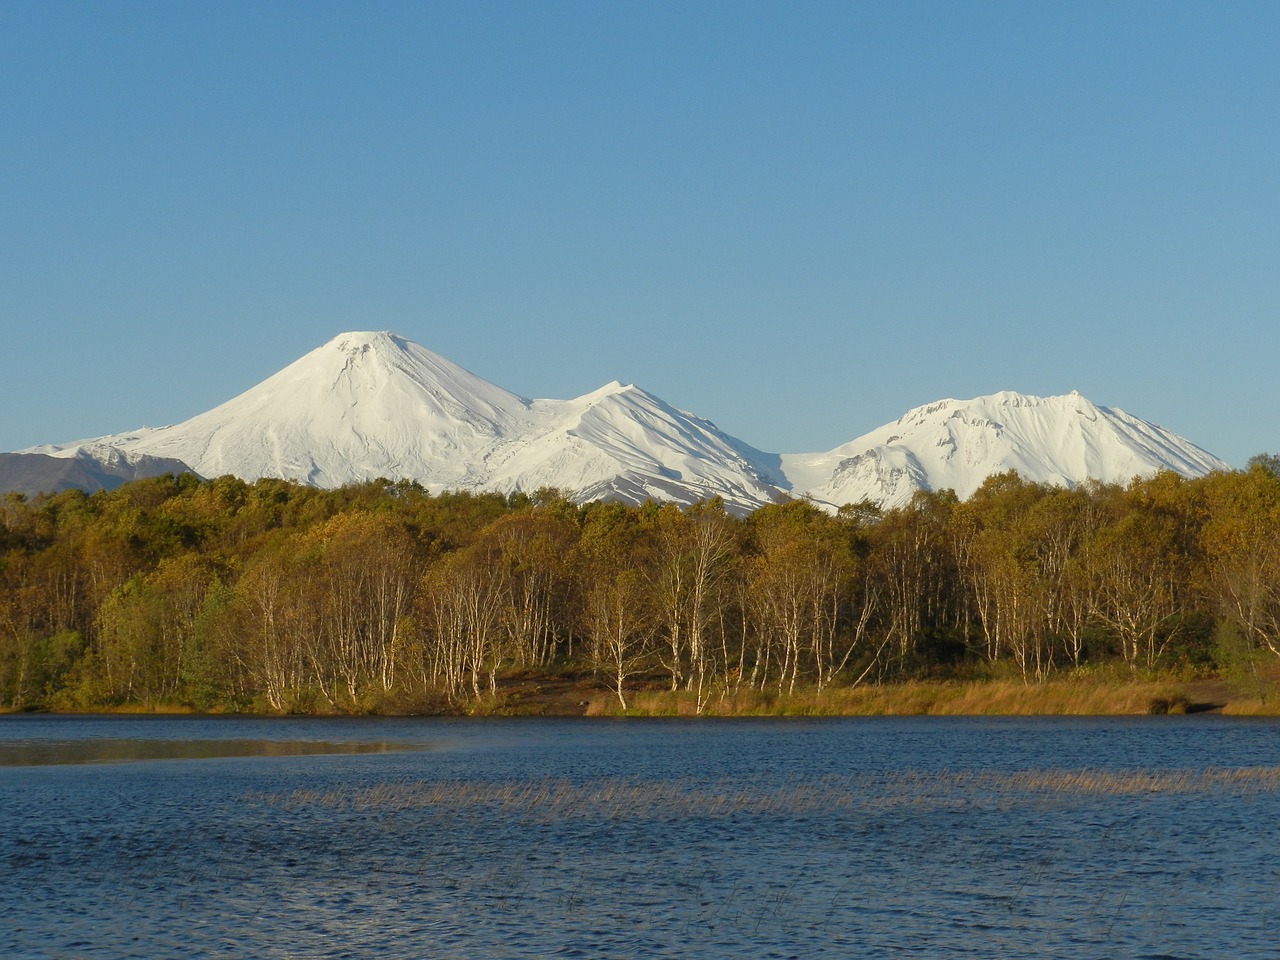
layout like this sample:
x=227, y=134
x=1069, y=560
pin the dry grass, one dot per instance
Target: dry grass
x=550, y=799
x=1248, y=707
x=1067, y=697
x=1259, y=696
x=150, y=709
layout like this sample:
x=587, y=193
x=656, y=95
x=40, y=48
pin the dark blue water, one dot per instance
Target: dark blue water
x=204, y=838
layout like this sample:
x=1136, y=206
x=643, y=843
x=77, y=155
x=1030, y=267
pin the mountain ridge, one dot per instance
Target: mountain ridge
x=88, y=468
x=956, y=444
x=366, y=405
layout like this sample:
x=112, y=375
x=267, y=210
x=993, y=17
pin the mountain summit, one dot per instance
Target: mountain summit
x=373, y=404
x=363, y=405
x=369, y=405
x=957, y=444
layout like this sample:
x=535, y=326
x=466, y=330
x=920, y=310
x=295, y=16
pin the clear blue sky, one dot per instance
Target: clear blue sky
x=795, y=219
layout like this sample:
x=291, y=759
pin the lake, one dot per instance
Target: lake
x=430, y=838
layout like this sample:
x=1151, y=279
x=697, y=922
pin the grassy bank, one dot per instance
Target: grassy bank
x=578, y=693
x=1067, y=697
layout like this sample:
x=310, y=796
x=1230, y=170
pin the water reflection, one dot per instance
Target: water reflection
x=130, y=750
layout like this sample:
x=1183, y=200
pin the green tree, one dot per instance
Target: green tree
x=1241, y=544
x=615, y=563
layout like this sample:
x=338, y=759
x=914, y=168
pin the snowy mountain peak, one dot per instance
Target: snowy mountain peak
x=957, y=444
x=354, y=340
x=611, y=389
x=374, y=404
x=373, y=360
x=363, y=405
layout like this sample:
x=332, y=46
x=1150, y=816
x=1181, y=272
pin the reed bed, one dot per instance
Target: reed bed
x=549, y=799
x=1253, y=707
x=1065, y=697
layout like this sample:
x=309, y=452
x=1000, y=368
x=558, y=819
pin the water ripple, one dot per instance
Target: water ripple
x=643, y=841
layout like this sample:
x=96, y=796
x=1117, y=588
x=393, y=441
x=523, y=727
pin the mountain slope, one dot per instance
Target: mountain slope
x=369, y=405
x=90, y=468
x=360, y=407
x=957, y=444
x=622, y=442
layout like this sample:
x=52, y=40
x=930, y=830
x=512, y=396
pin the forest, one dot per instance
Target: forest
x=274, y=597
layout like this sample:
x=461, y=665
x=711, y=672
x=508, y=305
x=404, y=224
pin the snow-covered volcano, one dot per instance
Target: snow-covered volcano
x=956, y=444
x=369, y=405
x=363, y=405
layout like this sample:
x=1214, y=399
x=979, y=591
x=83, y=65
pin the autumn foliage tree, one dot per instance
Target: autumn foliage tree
x=278, y=597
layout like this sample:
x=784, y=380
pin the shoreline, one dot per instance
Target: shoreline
x=580, y=696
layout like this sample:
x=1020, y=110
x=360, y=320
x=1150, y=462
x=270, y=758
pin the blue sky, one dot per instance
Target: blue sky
x=796, y=219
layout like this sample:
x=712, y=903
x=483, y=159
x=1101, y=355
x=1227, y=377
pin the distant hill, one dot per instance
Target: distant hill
x=89, y=469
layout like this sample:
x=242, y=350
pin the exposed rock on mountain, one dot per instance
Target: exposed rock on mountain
x=90, y=468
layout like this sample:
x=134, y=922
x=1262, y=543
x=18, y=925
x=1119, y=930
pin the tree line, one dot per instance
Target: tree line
x=273, y=596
